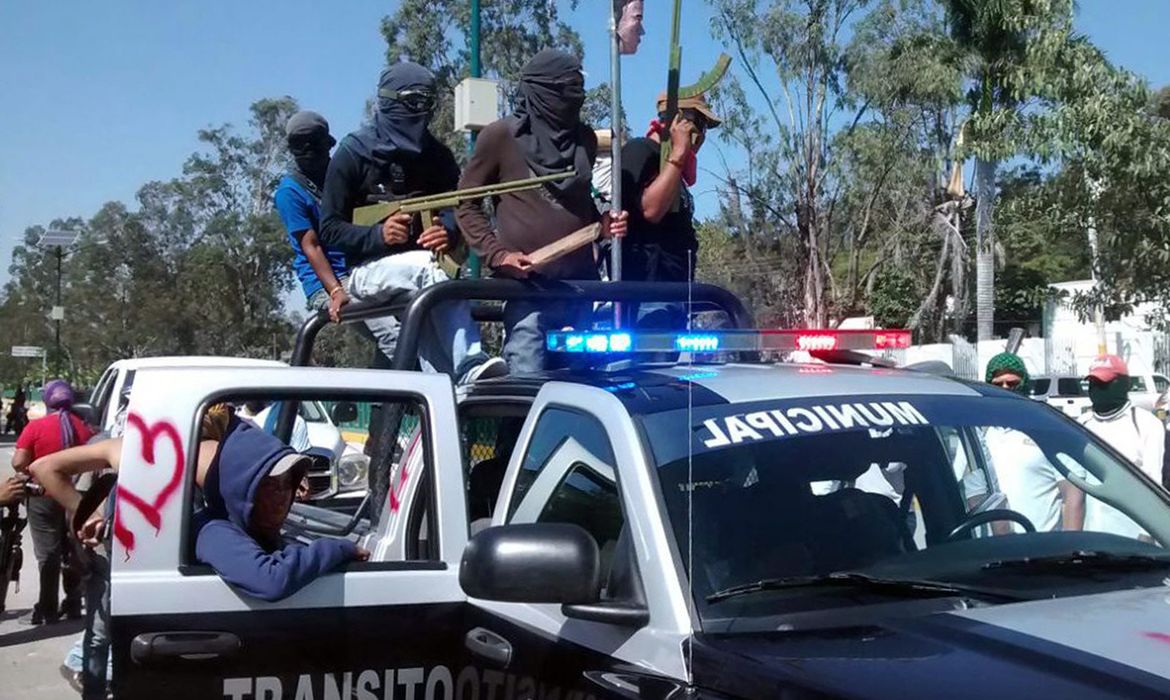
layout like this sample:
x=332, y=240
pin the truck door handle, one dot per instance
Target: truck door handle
x=190, y=645
x=489, y=645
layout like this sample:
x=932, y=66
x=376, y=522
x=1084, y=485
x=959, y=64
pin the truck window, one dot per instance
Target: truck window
x=568, y=476
x=1040, y=386
x=1070, y=386
x=332, y=482
x=101, y=394
x=1137, y=384
x=555, y=428
x=1161, y=384
x=489, y=433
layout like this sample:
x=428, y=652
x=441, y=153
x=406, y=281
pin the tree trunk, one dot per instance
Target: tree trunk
x=984, y=248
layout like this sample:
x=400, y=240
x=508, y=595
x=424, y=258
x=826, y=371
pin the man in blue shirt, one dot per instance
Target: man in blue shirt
x=321, y=270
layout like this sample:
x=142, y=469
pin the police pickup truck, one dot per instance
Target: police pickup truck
x=715, y=527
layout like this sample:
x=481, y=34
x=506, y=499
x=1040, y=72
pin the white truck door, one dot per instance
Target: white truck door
x=179, y=630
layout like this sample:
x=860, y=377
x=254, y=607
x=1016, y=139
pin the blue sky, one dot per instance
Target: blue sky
x=100, y=97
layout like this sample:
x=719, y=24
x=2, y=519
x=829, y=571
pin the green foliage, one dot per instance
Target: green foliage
x=432, y=33
x=895, y=297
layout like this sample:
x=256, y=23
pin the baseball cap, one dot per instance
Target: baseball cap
x=308, y=126
x=1106, y=368
x=292, y=460
x=697, y=103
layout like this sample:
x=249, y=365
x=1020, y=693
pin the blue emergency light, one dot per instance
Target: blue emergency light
x=786, y=340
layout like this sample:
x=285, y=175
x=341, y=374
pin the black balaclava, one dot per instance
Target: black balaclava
x=547, y=120
x=1109, y=397
x=309, y=143
x=397, y=128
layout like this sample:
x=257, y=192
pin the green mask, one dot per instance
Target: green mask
x=1108, y=398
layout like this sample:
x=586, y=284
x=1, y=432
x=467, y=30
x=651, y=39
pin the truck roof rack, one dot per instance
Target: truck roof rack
x=413, y=309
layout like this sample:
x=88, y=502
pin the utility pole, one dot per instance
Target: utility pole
x=473, y=262
x=58, y=240
x=615, y=197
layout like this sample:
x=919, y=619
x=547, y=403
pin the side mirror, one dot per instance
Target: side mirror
x=87, y=413
x=344, y=412
x=532, y=563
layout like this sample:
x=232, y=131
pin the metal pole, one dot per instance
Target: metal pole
x=615, y=197
x=57, y=358
x=473, y=262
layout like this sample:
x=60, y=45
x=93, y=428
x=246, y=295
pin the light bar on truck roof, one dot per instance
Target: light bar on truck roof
x=726, y=341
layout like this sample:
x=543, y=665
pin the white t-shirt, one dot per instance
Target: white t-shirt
x=1025, y=477
x=1140, y=437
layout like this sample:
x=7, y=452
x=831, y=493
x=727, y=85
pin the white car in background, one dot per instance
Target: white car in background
x=1066, y=393
x=339, y=467
x=1147, y=390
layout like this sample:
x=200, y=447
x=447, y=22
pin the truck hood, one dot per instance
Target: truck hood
x=1109, y=645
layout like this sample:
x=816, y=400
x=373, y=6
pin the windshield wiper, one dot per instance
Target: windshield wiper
x=854, y=579
x=1083, y=560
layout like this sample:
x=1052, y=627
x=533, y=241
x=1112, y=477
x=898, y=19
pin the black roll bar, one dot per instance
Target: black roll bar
x=418, y=306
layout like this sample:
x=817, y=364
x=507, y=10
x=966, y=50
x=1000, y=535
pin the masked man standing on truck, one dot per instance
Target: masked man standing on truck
x=398, y=156
x=545, y=135
x=321, y=271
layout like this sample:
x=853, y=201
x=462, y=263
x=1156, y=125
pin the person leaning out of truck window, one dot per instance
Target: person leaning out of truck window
x=58, y=430
x=249, y=490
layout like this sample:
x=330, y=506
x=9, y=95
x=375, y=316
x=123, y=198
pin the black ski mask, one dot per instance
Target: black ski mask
x=406, y=102
x=1109, y=397
x=547, y=121
x=309, y=143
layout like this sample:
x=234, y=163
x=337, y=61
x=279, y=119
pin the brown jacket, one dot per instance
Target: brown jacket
x=525, y=221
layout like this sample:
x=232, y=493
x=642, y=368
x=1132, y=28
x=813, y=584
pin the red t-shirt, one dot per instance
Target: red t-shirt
x=43, y=435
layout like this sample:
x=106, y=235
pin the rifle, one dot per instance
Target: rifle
x=673, y=91
x=11, y=555
x=426, y=206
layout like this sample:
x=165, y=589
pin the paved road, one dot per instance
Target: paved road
x=30, y=657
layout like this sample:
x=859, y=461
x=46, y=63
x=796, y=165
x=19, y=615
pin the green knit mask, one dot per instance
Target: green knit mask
x=1009, y=362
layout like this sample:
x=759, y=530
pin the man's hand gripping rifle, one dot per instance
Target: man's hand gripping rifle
x=384, y=206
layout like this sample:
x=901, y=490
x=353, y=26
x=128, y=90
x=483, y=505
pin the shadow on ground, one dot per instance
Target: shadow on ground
x=35, y=633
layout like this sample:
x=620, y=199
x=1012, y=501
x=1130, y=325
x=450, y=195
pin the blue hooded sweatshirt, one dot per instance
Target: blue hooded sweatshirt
x=246, y=455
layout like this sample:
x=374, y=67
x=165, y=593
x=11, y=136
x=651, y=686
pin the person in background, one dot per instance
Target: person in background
x=58, y=430
x=11, y=491
x=661, y=245
x=1134, y=432
x=249, y=490
x=322, y=271
x=16, y=412
x=1033, y=487
x=58, y=473
x=544, y=136
x=398, y=156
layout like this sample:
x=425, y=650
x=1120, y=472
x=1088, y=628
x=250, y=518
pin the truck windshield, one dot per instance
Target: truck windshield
x=891, y=487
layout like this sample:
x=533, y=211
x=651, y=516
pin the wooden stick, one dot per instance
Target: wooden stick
x=560, y=248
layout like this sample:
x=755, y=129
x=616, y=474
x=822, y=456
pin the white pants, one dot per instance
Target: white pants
x=450, y=339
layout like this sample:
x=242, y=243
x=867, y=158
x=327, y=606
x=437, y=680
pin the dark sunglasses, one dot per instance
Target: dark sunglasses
x=1006, y=383
x=414, y=100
